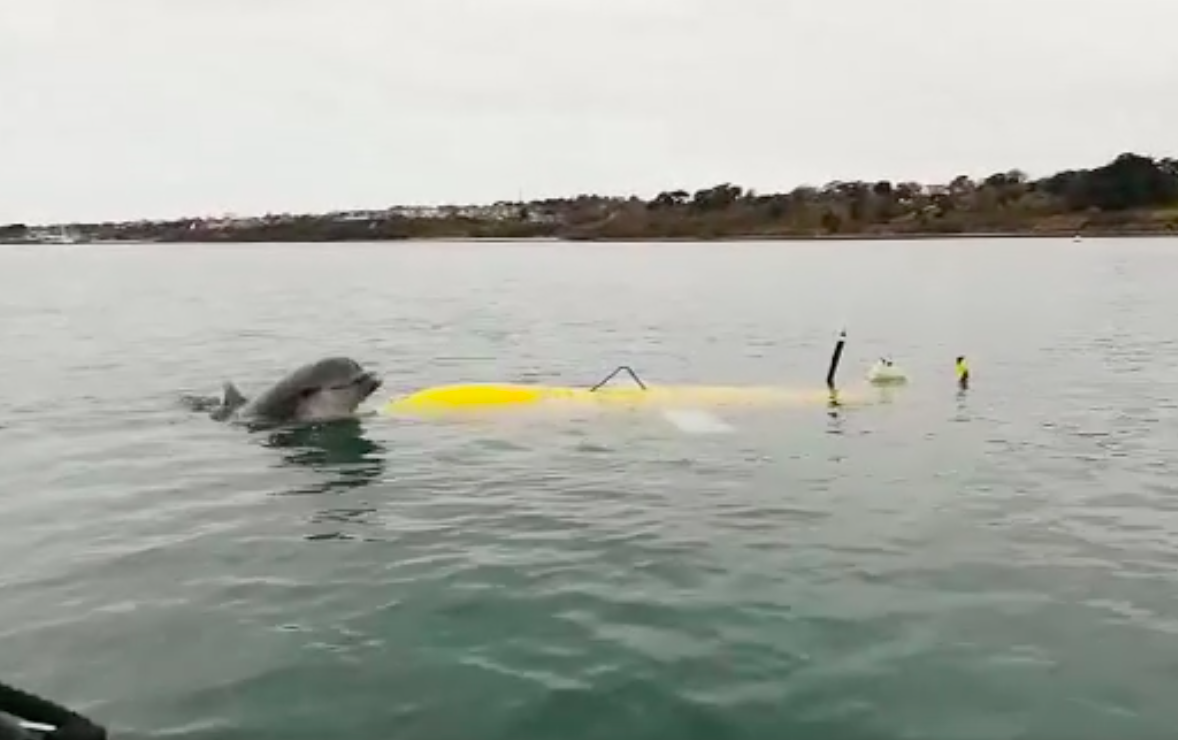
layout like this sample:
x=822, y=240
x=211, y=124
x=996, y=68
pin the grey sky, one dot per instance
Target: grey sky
x=126, y=108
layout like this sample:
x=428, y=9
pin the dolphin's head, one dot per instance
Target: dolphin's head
x=325, y=390
x=331, y=388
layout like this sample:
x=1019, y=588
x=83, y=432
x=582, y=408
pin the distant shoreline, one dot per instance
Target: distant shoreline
x=1132, y=196
x=735, y=238
x=925, y=236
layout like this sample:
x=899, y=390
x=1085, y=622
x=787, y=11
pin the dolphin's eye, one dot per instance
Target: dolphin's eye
x=306, y=393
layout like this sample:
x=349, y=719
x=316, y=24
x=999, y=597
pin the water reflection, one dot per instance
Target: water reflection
x=343, y=460
x=885, y=394
x=962, y=406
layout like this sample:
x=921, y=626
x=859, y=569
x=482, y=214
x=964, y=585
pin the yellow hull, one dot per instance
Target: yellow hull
x=491, y=396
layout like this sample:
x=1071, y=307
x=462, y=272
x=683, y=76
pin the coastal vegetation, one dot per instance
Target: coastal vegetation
x=1133, y=194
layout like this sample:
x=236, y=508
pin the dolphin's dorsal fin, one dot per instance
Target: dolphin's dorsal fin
x=232, y=398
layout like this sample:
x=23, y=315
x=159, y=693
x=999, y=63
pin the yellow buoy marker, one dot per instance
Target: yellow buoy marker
x=962, y=370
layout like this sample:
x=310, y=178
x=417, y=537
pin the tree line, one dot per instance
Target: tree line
x=1131, y=193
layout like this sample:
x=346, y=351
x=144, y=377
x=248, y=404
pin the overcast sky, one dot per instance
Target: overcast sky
x=113, y=109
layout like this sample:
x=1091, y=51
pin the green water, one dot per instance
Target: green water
x=994, y=565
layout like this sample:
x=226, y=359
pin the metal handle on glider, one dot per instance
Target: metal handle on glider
x=620, y=369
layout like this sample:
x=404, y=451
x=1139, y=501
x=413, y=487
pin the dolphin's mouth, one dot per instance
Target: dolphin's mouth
x=366, y=383
x=370, y=383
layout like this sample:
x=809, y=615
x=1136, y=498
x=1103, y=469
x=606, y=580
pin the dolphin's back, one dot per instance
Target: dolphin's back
x=281, y=400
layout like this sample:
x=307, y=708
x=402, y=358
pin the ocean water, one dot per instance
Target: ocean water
x=1001, y=563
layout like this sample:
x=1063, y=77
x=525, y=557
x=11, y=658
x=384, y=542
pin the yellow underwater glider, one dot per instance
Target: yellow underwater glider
x=495, y=396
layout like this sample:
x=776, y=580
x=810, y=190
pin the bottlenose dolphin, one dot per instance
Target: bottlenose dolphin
x=326, y=390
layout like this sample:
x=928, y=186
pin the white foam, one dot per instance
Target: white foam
x=697, y=422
